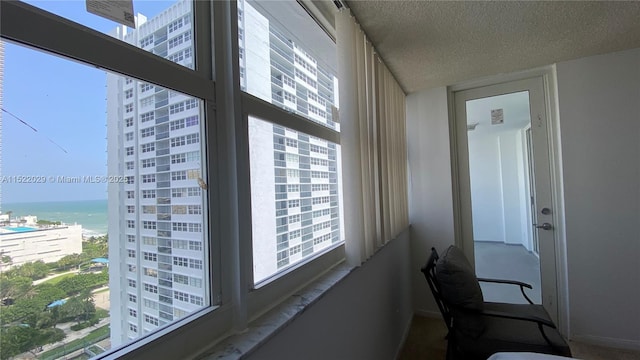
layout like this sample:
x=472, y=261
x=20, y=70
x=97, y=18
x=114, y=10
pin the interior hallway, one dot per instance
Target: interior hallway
x=508, y=262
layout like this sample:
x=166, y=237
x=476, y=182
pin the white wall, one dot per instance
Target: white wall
x=365, y=316
x=430, y=194
x=599, y=108
x=485, y=172
x=497, y=185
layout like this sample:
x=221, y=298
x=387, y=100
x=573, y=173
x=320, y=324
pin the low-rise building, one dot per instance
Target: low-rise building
x=23, y=240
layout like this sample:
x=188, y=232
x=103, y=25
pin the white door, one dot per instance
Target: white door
x=497, y=210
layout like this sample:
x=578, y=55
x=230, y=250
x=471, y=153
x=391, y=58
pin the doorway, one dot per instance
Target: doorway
x=505, y=189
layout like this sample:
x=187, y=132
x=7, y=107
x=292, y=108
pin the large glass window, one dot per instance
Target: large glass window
x=163, y=28
x=58, y=185
x=295, y=204
x=121, y=164
x=288, y=60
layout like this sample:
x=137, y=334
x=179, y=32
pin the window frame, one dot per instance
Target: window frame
x=234, y=298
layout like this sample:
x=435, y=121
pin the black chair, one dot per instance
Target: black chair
x=478, y=329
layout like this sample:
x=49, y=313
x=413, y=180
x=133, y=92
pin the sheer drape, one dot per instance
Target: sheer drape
x=373, y=139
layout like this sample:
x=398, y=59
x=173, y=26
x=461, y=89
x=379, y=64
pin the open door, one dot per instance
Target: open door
x=505, y=190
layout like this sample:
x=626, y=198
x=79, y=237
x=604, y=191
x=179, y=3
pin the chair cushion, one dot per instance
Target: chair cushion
x=501, y=335
x=458, y=282
x=461, y=291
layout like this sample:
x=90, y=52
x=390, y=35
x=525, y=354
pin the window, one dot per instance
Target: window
x=151, y=272
x=193, y=156
x=178, y=141
x=196, y=300
x=195, y=282
x=175, y=25
x=176, y=108
x=194, y=209
x=181, y=279
x=173, y=127
x=191, y=121
x=178, y=175
x=150, y=256
x=148, y=163
x=294, y=195
x=191, y=104
x=180, y=261
x=148, y=147
x=149, y=116
x=151, y=320
x=193, y=174
x=148, y=101
x=177, y=124
x=148, y=240
x=193, y=138
x=150, y=304
x=149, y=178
x=178, y=158
x=147, y=40
x=150, y=288
x=294, y=219
x=177, y=226
x=148, y=209
x=291, y=142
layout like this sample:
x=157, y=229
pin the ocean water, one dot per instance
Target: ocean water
x=91, y=214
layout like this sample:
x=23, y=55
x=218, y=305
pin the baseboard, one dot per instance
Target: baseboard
x=405, y=335
x=428, y=313
x=608, y=342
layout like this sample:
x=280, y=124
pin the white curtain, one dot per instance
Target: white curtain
x=373, y=140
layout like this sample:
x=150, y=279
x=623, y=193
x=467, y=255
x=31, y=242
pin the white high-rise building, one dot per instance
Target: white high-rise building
x=157, y=217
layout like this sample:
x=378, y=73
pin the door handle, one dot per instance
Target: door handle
x=544, y=226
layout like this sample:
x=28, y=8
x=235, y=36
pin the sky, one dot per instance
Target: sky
x=66, y=102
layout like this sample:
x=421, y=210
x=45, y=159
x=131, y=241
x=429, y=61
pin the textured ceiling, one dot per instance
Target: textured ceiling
x=434, y=43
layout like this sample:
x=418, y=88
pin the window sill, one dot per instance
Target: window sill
x=271, y=323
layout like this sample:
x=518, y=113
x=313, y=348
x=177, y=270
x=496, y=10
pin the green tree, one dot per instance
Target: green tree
x=86, y=296
x=34, y=270
x=16, y=340
x=73, y=260
x=48, y=293
x=73, y=308
x=14, y=287
x=45, y=320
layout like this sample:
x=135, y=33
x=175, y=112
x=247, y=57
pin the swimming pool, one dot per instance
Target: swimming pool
x=20, y=229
